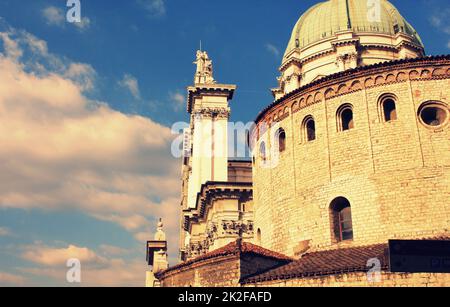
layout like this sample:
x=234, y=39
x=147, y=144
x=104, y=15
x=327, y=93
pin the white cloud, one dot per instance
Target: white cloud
x=84, y=24
x=7, y=279
x=62, y=151
x=54, y=16
x=143, y=236
x=11, y=47
x=273, y=49
x=178, y=100
x=97, y=270
x=132, y=84
x=155, y=8
x=49, y=256
x=116, y=273
x=43, y=62
x=441, y=21
x=110, y=250
x=36, y=45
x=83, y=74
x=5, y=232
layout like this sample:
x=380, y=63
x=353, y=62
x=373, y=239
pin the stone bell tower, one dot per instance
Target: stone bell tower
x=206, y=140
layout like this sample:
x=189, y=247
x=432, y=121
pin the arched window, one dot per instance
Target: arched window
x=388, y=108
x=281, y=139
x=341, y=219
x=309, y=129
x=434, y=114
x=262, y=151
x=345, y=118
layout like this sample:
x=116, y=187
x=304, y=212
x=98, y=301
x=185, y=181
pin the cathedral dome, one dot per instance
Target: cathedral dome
x=326, y=19
x=337, y=35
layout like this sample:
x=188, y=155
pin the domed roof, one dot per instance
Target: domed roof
x=325, y=19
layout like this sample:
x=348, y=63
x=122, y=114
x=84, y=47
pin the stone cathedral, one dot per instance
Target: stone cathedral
x=350, y=164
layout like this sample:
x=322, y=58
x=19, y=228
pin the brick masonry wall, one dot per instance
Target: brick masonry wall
x=227, y=271
x=216, y=272
x=361, y=280
x=396, y=175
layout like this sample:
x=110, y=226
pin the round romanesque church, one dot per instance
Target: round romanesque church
x=349, y=179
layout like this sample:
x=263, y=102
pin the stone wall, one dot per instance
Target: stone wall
x=396, y=174
x=216, y=272
x=223, y=271
x=224, y=211
x=361, y=280
x=227, y=271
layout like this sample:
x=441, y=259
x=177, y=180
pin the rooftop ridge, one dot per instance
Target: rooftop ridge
x=232, y=249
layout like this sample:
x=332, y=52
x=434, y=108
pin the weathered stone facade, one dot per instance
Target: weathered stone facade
x=354, y=152
x=216, y=202
x=360, y=280
x=216, y=272
x=224, y=267
x=224, y=212
x=396, y=174
x=241, y=264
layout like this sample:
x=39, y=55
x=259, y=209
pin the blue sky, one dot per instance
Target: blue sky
x=126, y=67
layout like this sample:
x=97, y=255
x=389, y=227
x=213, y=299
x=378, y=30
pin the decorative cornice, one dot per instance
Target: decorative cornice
x=407, y=40
x=226, y=228
x=342, y=83
x=212, y=191
x=213, y=112
x=346, y=42
x=209, y=89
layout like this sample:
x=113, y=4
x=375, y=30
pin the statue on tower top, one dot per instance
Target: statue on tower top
x=160, y=235
x=204, y=74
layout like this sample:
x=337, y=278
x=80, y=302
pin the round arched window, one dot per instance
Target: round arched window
x=341, y=219
x=434, y=114
x=309, y=129
x=388, y=108
x=345, y=118
x=281, y=139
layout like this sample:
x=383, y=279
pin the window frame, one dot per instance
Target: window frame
x=382, y=108
x=339, y=117
x=340, y=207
x=278, y=133
x=342, y=221
x=436, y=104
x=305, y=129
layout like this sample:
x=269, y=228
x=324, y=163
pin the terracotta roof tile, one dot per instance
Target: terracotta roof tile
x=233, y=248
x=327, y=263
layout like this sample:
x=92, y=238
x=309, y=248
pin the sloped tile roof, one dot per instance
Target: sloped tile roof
x=326, y=263
x=235, y=248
